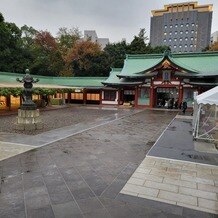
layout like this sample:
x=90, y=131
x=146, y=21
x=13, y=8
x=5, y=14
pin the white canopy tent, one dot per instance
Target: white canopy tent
x=205, y=120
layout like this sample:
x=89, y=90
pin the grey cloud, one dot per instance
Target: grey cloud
x=115, y=19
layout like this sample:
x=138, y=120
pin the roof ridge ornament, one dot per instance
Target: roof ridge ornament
x=167, y=53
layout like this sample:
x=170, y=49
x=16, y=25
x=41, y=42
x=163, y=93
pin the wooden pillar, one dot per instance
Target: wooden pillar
x=151, y=94
x=180, y=94
x=118, y=90
x=68, y=98
x=84, y=96
x=100, y=96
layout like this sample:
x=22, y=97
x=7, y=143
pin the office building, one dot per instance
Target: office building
x=92, y=35
x=214, y=37
x=184, y=27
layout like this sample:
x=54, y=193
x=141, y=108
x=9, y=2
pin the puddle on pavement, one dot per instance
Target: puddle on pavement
x=199, y=157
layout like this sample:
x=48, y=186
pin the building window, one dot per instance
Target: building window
x=180, y=39
x=170, y=33
x=176, y=25
x=187, y=24
x=186, y=39
x=174, y=46
x=191, y=45
x=181, y=25
x=193, y=24
x=176, y=32
x=171, y=26
x=109, y=95
x=165, y=26
x=165, y=33
x=175, y=39
x=180, y=46
x=192, y=38
x=192, y=31
x=170, y=40
x=186, y=46
x=186, y=31
x=181, y=32
x=164, y=40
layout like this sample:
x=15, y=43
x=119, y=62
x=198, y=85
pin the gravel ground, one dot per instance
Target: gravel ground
x=57, y=118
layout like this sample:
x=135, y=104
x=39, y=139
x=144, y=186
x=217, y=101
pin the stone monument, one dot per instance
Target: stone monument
x=28, y=115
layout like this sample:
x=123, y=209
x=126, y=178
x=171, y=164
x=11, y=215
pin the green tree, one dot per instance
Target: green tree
x=116, y=53
x=67, y=39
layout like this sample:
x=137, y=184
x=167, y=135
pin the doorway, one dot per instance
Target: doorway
x=167, y=97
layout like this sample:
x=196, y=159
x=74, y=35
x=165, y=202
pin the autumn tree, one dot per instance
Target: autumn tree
x=86, y=58
x=67, y=38
x=214, y=47
x=47, y=58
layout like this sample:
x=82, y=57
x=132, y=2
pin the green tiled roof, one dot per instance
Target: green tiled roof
x=200, y=63
x=135, y=64
x=113, y=79
x=6, y=77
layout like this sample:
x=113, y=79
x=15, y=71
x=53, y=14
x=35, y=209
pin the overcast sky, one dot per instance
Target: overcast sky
x=113, y=19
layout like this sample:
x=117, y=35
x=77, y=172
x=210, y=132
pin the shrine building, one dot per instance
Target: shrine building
x=147, y=80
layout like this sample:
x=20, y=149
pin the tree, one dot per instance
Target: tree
x=10, y=47
x=47, y=58
x=82, y=56
x=67, y=39
x=116, y=53
x=28, y=35
x=138, y=45
x=214, y=47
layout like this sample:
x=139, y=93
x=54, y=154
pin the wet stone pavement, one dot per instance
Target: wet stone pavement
x=82, y=175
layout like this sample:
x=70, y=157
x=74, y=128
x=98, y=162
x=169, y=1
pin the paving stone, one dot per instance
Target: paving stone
x=141, y=190
x=209, y=204
x=195, y=213
x=198, y=193
x=143, y=170
x=136, y=181
x=209, y=188
x=163, y=174
x=37, y=201
x=42, y=212
x=90, y=204
x=177, y=197
x=199, y=211
x=161, y=186
x=148, y=177
x=97, y=213
x=67, y=210
x=156, y=199
x=123, y=191
x=35, y=191
x=182, y=183
x=197, y=180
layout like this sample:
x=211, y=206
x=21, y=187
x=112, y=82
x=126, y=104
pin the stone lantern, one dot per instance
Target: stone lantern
x=28, y=115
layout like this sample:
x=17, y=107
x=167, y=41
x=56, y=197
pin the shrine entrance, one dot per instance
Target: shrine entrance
x=167, y=97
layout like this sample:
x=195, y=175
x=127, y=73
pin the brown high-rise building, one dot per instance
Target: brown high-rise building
x=184, y=27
